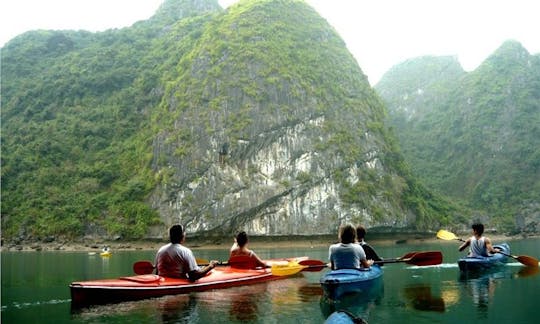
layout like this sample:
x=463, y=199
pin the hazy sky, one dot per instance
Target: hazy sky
x=379, y=33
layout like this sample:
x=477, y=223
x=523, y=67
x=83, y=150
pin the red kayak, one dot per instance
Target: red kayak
x=104, y=291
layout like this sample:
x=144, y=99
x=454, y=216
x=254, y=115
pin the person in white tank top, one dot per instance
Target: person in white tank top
x=479, y=245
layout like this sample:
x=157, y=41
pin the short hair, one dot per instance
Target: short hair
x=241, y=239
x=478, y=228
x=347, y=234
x=176, y=233
x=360, y=232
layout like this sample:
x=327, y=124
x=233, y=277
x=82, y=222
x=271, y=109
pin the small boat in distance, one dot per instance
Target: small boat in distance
x=105, y=252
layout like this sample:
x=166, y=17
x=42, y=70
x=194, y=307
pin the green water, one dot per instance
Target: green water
x=35, y=290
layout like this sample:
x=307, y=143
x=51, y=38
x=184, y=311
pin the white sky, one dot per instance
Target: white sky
x=379, y=33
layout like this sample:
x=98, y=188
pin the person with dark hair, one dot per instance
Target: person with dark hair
x=239, y=251
x=177, y=261
x=479, y=245
x=347, y=254
x=370, y=252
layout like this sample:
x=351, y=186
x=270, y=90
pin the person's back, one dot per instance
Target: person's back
x=347, y=254
x=370, y=252
x=177, y=261
x=242, y=257
x=479, y=245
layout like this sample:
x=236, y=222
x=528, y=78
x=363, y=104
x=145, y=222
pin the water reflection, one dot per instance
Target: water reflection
x=244, y=304
x=357, y=304
x=175, y=308
x=421, y=298
x=528, y=272
x=481, y=286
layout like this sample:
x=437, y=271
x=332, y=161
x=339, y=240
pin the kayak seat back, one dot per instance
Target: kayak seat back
x=242, y=262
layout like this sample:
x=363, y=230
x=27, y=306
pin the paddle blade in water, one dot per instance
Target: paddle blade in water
x=445, y=235
x=528, y=272
x=143, y=267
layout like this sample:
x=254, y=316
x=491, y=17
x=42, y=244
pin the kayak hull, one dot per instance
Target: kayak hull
x=85, y=293
x=337, y=283
x=485, y=263
x=105, y=291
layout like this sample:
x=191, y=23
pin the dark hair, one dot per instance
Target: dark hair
x=347, y=234
x=360, y=232
x=241, y=239
x=478, y=228
x=176, y=233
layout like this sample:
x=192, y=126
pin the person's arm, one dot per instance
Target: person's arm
x=465, y=244
x=366, y=263
x=258, y=261
x=201, y=272
x=489, y=246
x=332, y=265
x=234, y=246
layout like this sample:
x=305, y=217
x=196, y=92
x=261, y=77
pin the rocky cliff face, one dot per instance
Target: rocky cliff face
x=272, y=127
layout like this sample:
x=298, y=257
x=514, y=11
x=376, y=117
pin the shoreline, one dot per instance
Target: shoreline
x=196, y=243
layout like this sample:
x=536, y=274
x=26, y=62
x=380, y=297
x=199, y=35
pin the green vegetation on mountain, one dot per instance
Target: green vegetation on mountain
x=477, y=140
x=105, y=134
x=75, y=125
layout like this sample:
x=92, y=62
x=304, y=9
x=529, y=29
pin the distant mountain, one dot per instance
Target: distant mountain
x=474, y=136
x=254, y=118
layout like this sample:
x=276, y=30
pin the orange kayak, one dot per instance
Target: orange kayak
x=104, y=291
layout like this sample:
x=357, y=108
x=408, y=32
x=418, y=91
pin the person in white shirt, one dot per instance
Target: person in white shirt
x=177, y=261
x=479, y=245
x=347, y=254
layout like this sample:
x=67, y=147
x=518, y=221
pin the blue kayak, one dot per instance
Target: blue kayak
x=485, y=263
x=336, y=283
x=343, y=317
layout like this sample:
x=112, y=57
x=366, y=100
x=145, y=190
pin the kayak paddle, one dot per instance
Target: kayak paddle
x=313, y=265
x=523, y=259
x=146, y=267
x=415, y=258
x=448, y=236
x=418, y=258
x=279, y=269
x=289, y=269
x=318, y=265
x=529, y=261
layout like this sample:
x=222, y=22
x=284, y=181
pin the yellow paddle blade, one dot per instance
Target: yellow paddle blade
x=445, y=235
x=201, y=261
x=288, y=269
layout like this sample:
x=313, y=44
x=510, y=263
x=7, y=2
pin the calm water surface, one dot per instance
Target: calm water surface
x=35, y=290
